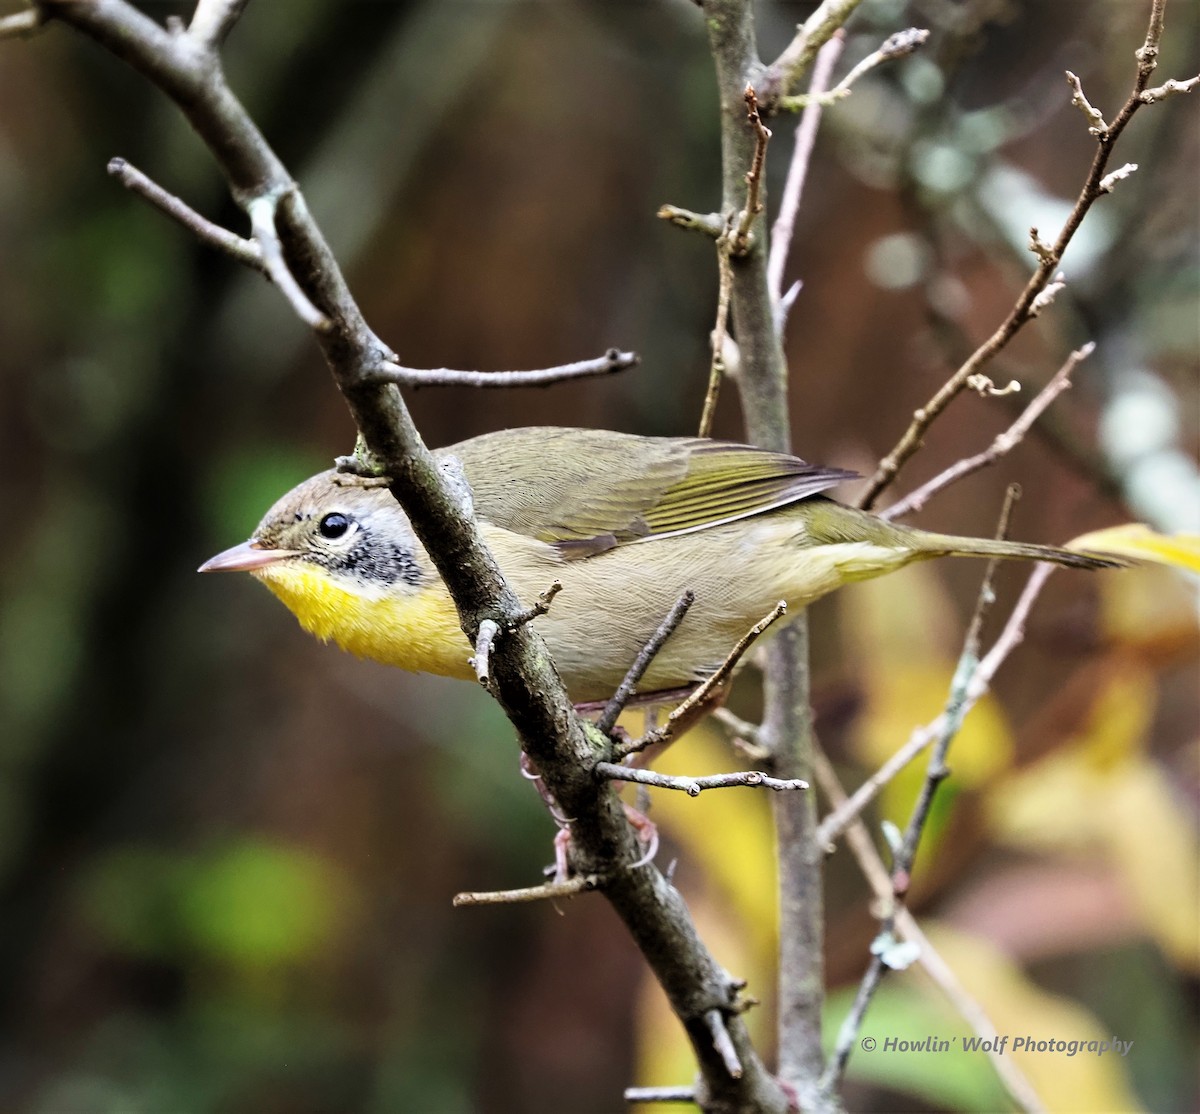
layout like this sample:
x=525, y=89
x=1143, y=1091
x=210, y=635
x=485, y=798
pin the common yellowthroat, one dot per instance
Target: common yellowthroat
x=626, y=523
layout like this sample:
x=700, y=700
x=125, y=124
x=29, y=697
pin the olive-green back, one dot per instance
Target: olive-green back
x=586, y=491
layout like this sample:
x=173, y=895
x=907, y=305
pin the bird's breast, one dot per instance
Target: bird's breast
x=414, y=630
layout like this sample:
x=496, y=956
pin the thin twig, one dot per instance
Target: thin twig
x=214, y=19
x=660, y=1094
x=1169, y=88
x=987, y=594
x=787, y=70
x=754, y=206
x=694, y=786
x=542, y=607
x=261, y=211
x=548, y=891
x=735, y=725
x=20, y=24
x=743, y=735
x=1094, y=117
x=834, y=824
x=684, y=712
x=1034, y=296
x=481, y=661
x=715, y=1021
x=899, y=45
x=793, y=188
x=390, y=372
x=1003, y=444
x=858, y=839
x=243, y=250
x=720, y=334
x=710, y=224
x=734, y=240
x=905, y=855
x=1109, y=181
x=628, y=685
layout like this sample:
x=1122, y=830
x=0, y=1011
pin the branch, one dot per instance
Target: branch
x=762, y=385
x=740, y=242
x=858, y=839
x=836, y=821
x=735, y=240
x=710, y=224
x=241, y=249
x=660, y=1094
x=485, y=639
x=743, y=735
x=542, y=607
x=1002, y=445
x=723, y=1043
x=1093, y=116
x=685, y=713
x=694, y=786
x=1037, y=290
x=793, y=188
x=899, y=45
x=718, y=338
x=548, y=891
x=613, y=360
x=1169, y=88
x=214, y=19
x=21, y=24
x=262, y=211
x=885, y=950
x=785, y=72
x=628, y=686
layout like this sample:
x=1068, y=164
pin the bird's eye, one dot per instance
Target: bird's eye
x=333, y=525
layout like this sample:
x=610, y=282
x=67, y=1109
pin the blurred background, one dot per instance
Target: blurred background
x=227, y=853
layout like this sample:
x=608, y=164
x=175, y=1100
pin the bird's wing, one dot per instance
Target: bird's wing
x=586, y=491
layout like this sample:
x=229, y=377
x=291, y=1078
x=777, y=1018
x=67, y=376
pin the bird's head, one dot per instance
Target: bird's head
x=335, y=527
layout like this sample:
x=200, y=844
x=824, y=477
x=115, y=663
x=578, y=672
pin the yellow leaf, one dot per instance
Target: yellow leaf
x=906, y=696
x=1152, y=841
x=1103, y=796
x=1151, y=607
x=905, y=617
x=1139, y=542
x=1058, y=803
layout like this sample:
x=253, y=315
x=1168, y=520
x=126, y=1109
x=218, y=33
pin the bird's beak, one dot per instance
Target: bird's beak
x=244, y=558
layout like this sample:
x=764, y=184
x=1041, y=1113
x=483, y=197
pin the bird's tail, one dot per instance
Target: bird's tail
x=937, y=545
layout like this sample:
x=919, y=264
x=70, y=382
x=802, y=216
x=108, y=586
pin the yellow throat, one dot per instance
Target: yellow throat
x=418, y=631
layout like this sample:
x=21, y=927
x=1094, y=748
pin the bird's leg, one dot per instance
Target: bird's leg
x=647, y=833
x=529, y=773
x=646, y=829
x=562, y=838
x=562, y=854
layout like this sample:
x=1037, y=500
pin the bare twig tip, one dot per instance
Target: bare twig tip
x=22, y=23
x=489, y=630
x=388, y=371
x=1120, y=174
x=1169, y=89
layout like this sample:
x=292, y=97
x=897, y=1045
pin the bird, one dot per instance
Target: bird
x=625, y=523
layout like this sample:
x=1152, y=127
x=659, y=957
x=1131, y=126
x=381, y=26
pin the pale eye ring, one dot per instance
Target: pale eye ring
x=333, y=525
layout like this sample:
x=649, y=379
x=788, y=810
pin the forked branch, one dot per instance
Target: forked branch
x=1045, y=279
